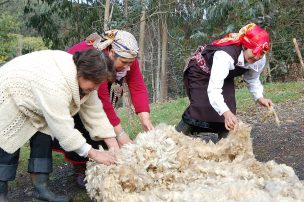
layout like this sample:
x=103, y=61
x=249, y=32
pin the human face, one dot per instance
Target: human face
x=86, y=86
x=250, y=57
x=120, y=63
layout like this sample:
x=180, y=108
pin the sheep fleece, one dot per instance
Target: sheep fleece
x=164, y=165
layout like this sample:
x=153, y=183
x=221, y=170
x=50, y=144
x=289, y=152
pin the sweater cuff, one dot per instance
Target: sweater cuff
x=257, y=96
x=142, y=109
x=72, y=142
x=83, y=150
x=114, y=121
x=223, y=110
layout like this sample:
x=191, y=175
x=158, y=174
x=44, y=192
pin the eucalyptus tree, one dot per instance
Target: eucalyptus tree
x=8, y=25
x=63, y=22
x=287, y=23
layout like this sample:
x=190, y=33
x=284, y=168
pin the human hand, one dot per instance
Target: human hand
x=145, y=121
x=104, y=157
x=265, y=102
x=111, y=142
x=92, y=38
x=121, y=136
x=230, y=120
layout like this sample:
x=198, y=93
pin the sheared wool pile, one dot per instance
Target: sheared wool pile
x=164, y=165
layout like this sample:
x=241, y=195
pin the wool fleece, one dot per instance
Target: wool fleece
x=164, y=165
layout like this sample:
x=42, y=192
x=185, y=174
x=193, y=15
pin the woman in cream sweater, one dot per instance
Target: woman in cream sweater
x=39, y=94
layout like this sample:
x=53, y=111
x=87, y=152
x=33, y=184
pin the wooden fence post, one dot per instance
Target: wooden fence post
x=299, y=54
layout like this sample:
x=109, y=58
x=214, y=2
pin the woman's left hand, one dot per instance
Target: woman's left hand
x=145, y=121
x=121, y=136
x=265, y=102
x=123, y=139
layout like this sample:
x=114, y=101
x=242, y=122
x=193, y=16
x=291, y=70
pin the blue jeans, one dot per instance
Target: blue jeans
x=40, y=158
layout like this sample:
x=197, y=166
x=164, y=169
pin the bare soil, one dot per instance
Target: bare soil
x=284, y=144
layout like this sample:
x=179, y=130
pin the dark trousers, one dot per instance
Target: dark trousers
x=40, y=158
x=189, y=126
x=73, y=157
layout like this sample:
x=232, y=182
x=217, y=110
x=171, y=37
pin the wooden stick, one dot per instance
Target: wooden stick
x=298, y=53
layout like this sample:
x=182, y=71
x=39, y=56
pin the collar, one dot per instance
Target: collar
x=241, y=63
x=241, y=60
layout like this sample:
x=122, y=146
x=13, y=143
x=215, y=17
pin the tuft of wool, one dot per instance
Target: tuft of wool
x=164, y=165
x=271, y=113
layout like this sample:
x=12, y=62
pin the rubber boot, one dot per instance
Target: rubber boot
x=222, y=134
x=42, y=191
x=3, y=191
x=184, y=128
x=79, y=174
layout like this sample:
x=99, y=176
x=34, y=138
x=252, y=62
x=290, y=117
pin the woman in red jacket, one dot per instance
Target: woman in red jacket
x=122, y=48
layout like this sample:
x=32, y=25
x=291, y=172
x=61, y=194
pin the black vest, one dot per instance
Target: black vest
x=196, y=82
x=233, y=50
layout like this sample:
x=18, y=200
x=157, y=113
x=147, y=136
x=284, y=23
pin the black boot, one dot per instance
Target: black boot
x=42, y=191
x=222, y=134
x=184, y=128
x=3, y=191
x=79, y=174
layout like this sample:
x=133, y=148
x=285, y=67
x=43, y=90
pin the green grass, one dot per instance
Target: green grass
x=170, y=112
x=277, y=92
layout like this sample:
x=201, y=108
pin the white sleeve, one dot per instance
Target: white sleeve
x=56, y=111
x=222, y=64
x=84, y=150
x=252, y=79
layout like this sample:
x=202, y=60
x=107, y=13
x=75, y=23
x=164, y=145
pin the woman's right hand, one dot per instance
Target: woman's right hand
x=105, y=157
x=230, y=120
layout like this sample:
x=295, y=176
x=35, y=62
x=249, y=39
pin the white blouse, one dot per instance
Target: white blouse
x=222, y=64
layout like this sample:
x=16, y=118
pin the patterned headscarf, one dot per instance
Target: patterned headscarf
x=123, y=43
x=251, y=36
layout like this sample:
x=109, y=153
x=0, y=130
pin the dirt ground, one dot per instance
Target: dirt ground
x=284, y=144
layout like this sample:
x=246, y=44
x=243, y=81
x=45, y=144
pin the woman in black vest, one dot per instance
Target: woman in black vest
x=209, y=80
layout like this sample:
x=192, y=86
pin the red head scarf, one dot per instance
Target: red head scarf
x=251, y=36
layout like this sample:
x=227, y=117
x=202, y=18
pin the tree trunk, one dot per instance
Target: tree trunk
x=125, y=8
x=151, y=33
x=20, y=45
x=100, y=13
x=299, y=54
x=164, y=80
x=157, y=79
x=106, y=16
x=142, y=37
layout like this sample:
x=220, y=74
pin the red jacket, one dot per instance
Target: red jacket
x=135, y=81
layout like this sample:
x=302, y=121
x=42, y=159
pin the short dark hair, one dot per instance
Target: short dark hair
x=94, y=65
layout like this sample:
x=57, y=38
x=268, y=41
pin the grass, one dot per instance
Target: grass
x=170, y=113
x=277, y=92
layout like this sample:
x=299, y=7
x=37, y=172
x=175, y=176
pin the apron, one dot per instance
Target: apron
x=196, y=80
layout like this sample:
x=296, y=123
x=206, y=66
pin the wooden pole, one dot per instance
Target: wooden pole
x=267, y=65
x=106, y=16
x=298, y=53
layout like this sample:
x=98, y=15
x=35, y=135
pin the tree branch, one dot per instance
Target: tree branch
x=4, y=2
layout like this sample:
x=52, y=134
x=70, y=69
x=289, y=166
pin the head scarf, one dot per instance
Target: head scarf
x=123, y=43
x=251, y=36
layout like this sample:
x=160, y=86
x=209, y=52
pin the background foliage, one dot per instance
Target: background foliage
x=190, y=23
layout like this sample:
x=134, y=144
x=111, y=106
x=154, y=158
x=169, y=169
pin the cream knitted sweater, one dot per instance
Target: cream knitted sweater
x=39, y=92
